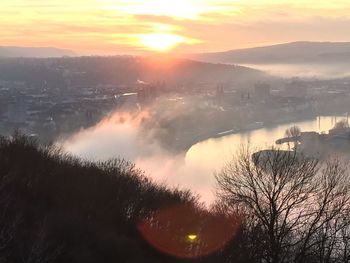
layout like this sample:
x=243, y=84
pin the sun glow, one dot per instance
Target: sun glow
x=161, y=41
x=133, y=26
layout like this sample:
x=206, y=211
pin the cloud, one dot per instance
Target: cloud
x=110, y=26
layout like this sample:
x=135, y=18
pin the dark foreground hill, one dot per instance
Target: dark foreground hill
x=55, y=208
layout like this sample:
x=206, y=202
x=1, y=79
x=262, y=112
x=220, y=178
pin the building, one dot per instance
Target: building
x=262, y=90
x=295, y=88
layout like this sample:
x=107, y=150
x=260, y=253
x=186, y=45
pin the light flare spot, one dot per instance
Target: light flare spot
x=192, y=237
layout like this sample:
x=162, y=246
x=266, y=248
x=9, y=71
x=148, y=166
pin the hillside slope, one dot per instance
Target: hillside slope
x=122, y=70
x=55, y=208
x=295, y=52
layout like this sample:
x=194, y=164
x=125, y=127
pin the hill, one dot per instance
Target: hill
x=119, y=70
x=56, y=208
x=295, y=52
x=37, y=52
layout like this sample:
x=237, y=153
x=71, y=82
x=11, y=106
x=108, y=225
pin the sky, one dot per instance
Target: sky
x=172, y=26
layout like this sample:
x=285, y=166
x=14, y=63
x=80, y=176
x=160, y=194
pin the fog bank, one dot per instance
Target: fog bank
x=121, y=135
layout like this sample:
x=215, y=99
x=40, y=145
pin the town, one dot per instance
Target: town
x=48, y=107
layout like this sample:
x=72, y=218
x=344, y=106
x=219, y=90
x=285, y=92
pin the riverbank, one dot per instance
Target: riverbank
x=188, y=140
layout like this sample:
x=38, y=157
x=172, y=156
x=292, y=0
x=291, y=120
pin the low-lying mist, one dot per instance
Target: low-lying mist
x=135, y=137
x=321, y=71
x=121, y=135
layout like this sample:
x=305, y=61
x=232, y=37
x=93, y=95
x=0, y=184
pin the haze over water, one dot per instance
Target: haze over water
x=194, y=170
x=321, y=71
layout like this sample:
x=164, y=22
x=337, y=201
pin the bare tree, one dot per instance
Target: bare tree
x=293, y=133
x=342, y=124
x=290, y=198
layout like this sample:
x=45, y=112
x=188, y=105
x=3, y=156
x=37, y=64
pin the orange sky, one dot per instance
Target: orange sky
x=142, y=26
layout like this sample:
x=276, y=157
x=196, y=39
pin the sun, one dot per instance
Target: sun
x=161, y=41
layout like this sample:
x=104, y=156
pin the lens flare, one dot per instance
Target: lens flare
x=176, y=230
x=192, y=237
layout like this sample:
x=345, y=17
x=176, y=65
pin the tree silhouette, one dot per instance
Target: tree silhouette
x=296, y=203
x=293, y=133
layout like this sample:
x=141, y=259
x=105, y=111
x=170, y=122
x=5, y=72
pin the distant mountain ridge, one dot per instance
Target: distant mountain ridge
x=294, y=52
x=35, y=52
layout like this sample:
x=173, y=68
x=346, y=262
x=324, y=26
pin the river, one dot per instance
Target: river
x=202, y=160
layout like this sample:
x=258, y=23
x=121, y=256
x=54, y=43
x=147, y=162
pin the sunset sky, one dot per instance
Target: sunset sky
x=142, y=26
